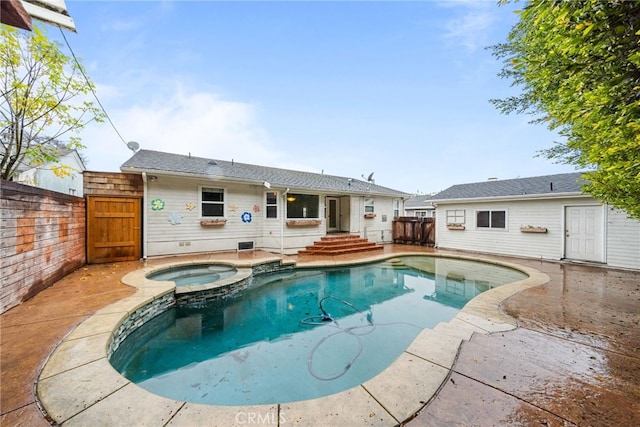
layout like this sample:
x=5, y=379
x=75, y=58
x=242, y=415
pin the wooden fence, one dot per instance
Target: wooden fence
x=414, y=230
x=43, y=240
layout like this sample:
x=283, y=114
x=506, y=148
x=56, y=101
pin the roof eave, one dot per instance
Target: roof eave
x=52, y=12
x=564, y=195
x=163, y=172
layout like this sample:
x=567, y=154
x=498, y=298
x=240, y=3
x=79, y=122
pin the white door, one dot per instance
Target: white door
x=584, y=234
x=333, y=215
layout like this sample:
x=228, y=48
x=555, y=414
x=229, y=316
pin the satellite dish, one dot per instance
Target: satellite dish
x=369, y=178
x=133, y=146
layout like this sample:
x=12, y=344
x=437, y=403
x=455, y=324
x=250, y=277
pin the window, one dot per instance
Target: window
x=396, y=207
x=491, y=219
x=368, y=206
x=212, y=202
x=455, y=216
x=271, y=203
x=302, y=205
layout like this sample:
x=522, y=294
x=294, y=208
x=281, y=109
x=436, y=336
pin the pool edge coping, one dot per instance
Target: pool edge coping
x=394, y=401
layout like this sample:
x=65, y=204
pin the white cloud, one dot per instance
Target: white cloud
x=471, y=25
x=182, y=121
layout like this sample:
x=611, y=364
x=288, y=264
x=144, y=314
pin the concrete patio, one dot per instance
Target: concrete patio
x=574, y=358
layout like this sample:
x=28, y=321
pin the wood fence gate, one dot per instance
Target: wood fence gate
x=414, y=230
x=113, y=229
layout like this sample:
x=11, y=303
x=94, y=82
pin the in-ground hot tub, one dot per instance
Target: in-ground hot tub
x=194, y=274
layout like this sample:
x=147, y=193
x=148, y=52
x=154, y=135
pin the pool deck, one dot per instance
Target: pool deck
x=562, y=348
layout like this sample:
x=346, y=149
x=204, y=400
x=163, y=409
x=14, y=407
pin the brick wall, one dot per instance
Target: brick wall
x=42, y=239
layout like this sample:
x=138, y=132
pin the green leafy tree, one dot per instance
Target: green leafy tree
x=578, y=64
x=43, y=100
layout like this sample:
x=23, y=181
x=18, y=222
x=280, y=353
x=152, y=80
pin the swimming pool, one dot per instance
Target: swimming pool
x=302, y=334
x=194, y=274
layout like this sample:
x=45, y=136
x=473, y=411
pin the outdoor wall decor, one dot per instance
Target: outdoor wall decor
x=256, y=208
x=246, y=217
x=175, y=218
x=190, y=206
x=233, y=208
x=213, y=222
x=455, y=226
x=533, y=229
x=157, y=204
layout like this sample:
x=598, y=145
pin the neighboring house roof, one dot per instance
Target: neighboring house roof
x=61, y=152
x=548, y=185
x=176, y=164
x=419, y=202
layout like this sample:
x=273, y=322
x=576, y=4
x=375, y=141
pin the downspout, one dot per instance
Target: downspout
x=284, y=215
x=144, y=216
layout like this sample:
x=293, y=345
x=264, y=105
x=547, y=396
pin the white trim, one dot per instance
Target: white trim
x=224, y=201
x=50, y=11
x=493, y=209
x=145, y=201
x=514, y=198
x=603, y=230
x=276, y=204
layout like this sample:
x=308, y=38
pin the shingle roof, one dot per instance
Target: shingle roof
x=419, y=201
x=150, y=161
x=539, y=185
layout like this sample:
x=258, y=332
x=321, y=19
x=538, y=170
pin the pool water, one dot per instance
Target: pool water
x=194, y=274
x=303, y=334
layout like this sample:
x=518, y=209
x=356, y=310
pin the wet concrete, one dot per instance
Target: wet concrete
x=574, y=360
x=30, y=331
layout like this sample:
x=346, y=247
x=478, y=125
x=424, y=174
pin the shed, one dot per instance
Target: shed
x=546, y=217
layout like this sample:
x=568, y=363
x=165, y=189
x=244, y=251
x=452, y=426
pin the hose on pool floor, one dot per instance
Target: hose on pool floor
x=324, y=318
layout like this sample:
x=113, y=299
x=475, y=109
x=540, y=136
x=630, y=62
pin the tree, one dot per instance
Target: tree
x=42, y=100
x=578, y=64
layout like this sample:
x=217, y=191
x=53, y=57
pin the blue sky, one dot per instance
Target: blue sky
x=397, y=88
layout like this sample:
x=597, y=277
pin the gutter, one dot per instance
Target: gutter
x=515, y=197
x=260, y=182
x=144, y=216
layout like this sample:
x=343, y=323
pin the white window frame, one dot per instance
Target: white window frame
x=267, y=205
x=369, y=205
x=201, y=189
x=396, y=208
x=491, y=211
x=305, y=213
x=456, y=216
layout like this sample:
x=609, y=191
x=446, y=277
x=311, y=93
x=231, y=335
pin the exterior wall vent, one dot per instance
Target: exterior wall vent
x=245, y=246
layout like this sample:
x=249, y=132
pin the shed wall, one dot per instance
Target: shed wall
x=508, y=241
x=621, y=233
x=623, y=240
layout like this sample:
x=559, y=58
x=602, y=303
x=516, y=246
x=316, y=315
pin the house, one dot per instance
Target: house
x=48, y=175
x=420, y=206
x=193, y=204
x=546, y=217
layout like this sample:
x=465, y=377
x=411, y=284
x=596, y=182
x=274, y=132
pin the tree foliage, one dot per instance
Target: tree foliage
x=43, y=100
x=578, y=64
